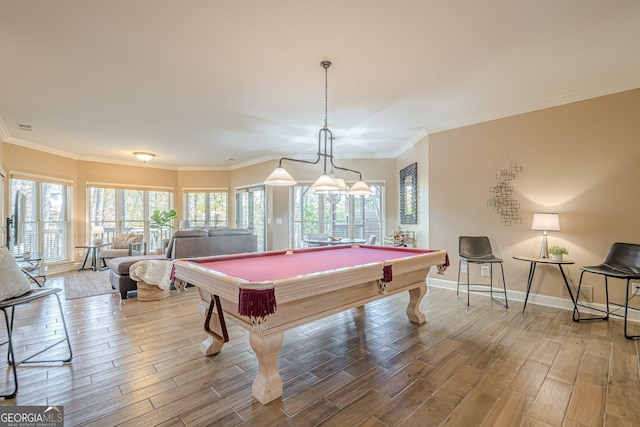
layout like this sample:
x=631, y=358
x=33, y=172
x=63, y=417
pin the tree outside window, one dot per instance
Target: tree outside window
x=206, y=208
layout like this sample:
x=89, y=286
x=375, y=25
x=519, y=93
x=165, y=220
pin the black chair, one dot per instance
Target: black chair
x=622, y=262
x=8, y=308
x=477, y=250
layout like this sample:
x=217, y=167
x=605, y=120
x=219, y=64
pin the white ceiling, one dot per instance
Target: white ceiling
x=199, y=82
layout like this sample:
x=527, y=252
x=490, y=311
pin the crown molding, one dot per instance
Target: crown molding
x=4, y=132
x=610, y=88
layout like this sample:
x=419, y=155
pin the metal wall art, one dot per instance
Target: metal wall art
x=409, y=194
x=502, y=200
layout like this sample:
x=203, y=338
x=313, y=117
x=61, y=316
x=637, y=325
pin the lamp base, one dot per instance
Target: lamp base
x=97, y=240
x=544, y=249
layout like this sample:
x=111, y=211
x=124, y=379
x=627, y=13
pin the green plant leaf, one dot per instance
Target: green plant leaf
x=161, y=219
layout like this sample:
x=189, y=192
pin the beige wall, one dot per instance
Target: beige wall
x=580, y=160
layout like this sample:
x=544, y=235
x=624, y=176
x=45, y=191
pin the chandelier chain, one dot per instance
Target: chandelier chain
x=326, y=92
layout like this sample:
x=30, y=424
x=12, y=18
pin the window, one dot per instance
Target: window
x=45, y=225
x=251, y=212
x=127, y=210
x=206, y=208
x=340, y=215
x=3, y=238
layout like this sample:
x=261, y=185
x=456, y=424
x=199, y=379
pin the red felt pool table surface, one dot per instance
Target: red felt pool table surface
x=277, y=265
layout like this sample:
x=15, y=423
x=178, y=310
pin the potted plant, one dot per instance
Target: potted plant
x=161, y=220
x=556, y=252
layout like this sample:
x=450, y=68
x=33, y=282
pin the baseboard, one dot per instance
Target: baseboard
x=544, y=300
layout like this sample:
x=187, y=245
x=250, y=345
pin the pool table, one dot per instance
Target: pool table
x=271, y=292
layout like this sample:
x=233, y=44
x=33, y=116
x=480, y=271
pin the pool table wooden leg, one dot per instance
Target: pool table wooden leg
x=413, y=309
x=268, y=385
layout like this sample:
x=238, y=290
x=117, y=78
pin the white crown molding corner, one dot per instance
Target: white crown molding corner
x=4, y=132
x=39, y=147
x=602, y=90
x=413, y=140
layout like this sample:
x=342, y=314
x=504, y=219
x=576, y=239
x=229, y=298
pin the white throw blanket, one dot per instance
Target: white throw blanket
x=152, y=272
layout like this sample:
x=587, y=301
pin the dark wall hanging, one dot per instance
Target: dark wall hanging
x=409, y=194
x=502, y=200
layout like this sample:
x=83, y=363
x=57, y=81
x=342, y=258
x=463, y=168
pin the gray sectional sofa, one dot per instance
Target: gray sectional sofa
x=185, y=244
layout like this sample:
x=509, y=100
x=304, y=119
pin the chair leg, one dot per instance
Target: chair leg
x=576, y=313
x=458, y=287
x=626, y=310
x=504, y=287
x=468, y=286
x=10, y=355
x=490, y=280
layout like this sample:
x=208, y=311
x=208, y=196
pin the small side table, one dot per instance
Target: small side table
x=532, y=269
x=91, y=251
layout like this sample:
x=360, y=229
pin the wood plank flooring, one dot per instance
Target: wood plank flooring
x=137, y=364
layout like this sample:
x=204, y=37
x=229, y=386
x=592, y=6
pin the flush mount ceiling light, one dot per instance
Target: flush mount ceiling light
x=144, y=157
x=280, y=177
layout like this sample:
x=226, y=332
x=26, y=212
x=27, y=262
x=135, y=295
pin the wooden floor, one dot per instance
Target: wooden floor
x=137, y=364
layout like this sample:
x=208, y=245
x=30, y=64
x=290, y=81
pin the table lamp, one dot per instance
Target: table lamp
x=183, y=225
x=545, y=222
x=97, y=231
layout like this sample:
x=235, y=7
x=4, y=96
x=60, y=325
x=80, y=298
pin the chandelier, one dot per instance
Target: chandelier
x=326, y=182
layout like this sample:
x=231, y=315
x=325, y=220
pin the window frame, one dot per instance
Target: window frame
x=51, y=254
x=208, y=193
x=355, y=228
x=152, y=236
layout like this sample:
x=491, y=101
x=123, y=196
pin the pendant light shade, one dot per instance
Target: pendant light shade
x=342, y=185
x=280, y=178
x=325, y=183
x=360, y=188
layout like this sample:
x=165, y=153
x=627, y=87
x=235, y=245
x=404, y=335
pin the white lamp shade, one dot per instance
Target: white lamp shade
x=325, y=183
x=360, y=188
x=280, y=178
x=184, y=224
x=342, y=185
x=97, y=229
x=546, y=222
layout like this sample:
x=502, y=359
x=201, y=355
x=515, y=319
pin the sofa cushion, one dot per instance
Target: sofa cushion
x=13, y=282
x=113, y=253
x=216, y=232
x=183, y=233
x=122, y=241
